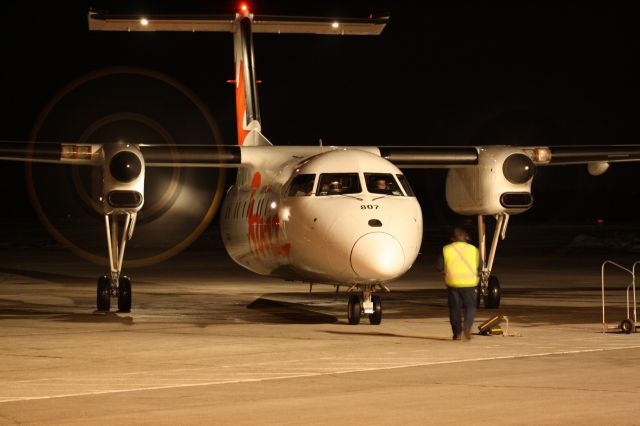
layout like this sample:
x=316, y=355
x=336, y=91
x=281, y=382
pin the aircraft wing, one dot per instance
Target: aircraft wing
x=51, y=152
x=200, y=155
x=562, y=155
x=464, y=156
x=92, y=154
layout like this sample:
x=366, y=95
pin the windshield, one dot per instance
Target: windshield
x=405, y=185
x=301, y=186
x=338, y=184
x=382, y=183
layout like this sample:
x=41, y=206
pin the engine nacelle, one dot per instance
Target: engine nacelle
x=123, y=178
x=500, y=183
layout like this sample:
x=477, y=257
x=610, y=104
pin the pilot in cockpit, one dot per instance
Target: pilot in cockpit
x=335, y=188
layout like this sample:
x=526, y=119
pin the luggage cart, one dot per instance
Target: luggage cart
x=629, y=324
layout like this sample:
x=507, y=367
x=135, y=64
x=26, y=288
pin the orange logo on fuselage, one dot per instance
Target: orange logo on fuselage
x=264, y=231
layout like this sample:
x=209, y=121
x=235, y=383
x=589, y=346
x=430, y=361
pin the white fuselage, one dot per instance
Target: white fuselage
x=302, y=214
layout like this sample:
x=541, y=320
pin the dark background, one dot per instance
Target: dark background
x=436, y=76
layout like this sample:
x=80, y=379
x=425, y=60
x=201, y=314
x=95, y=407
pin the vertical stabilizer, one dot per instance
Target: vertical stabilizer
x=243, y=24
x=247, y=107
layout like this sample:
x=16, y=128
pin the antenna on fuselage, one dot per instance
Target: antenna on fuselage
x=321, y=146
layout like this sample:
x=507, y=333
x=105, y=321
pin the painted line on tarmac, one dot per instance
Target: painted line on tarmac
x=303, y=375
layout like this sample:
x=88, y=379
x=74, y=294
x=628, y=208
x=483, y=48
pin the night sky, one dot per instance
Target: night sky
x=437, y=76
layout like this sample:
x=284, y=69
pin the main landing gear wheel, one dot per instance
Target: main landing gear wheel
x=376, y=317
x=103, y=300
x=354, y=308
x=627, y=326
x=492, y=298
x=124, y=294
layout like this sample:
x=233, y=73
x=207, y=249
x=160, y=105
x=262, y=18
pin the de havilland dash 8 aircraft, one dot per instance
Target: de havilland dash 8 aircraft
x=339, y=215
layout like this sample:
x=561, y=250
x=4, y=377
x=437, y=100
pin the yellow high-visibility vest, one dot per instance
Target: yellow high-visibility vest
x=461, y=265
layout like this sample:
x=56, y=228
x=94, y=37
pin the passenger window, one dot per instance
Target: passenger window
x=405, y=185
x=302, y=186
x=382, y=183
x=338, y=184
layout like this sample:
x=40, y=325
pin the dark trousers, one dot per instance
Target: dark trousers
x=461, y=299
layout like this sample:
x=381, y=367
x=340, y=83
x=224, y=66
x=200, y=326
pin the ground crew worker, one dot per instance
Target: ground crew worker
x=459, y=263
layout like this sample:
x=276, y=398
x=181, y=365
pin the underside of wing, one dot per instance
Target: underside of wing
x=51, y=152
x=561, y=155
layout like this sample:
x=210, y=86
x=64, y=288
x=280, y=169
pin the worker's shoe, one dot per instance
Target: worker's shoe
x=467, y=333
x=456, y=337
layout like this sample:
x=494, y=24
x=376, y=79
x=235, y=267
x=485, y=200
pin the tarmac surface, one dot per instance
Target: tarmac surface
x=209, y=343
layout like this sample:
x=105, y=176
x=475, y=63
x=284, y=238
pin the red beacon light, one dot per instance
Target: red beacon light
x=244, y=7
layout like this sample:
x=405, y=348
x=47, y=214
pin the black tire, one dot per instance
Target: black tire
x=492, y=300
x=627, y=326
x=354, y=308
x=103, y=299
x=376, y=317
x=124, y=294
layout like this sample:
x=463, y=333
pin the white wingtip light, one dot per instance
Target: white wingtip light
x=144, y=22
x=335, y=25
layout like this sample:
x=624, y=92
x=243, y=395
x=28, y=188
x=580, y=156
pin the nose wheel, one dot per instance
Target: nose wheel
x=376, y=317
x=368, y=304
x=354, y=309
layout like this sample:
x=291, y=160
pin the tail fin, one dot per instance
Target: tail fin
x=243, y=25
x=247, y=108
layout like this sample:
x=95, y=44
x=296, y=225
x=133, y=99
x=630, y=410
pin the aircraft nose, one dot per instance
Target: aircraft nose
x=377, y=256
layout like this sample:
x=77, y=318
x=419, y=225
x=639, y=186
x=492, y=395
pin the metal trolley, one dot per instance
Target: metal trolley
x=629, y=324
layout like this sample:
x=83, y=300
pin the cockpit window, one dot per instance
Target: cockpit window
x=382, y=183
x=302, y=185
x=405, y=185
x=338, y=184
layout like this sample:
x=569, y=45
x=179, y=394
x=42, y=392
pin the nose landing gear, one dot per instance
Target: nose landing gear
x=368, y=303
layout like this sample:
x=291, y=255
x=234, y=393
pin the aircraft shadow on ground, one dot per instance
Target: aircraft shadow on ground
x=548, y=307
x=286, y=312
x=376, y=334
x=46, y=276
x=18, y=310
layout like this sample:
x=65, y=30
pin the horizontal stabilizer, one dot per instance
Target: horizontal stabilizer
x=225, y=23
x=326, y=26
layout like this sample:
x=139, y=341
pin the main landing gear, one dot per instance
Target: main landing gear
x=368, y=303
x=489, y=287
x=115, y=284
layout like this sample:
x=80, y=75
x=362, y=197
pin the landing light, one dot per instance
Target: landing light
x=273, y=204
x=335, y=25
x=144, y=21
x=542, y=155
x=72, y=152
